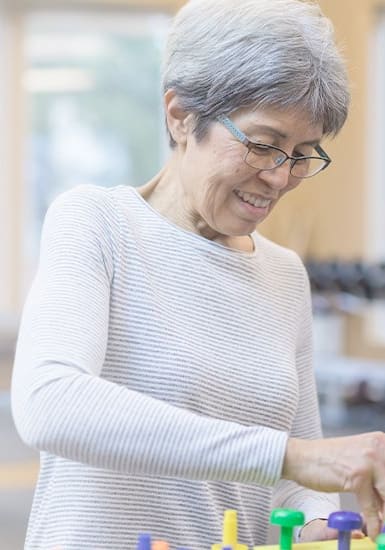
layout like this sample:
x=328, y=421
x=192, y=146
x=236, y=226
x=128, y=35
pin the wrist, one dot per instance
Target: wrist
x=295, y=458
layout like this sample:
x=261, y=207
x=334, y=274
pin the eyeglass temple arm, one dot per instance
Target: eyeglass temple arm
x=237, y=133
x=323, y=154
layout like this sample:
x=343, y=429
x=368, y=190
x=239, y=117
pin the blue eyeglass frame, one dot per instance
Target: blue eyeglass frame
x=240, y=136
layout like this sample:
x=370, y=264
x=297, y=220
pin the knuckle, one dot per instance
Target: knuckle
x=369, y=510
x=374, y=446
x=377, y=438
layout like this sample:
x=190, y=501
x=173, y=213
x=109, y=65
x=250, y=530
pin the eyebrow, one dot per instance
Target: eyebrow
x=277, y=133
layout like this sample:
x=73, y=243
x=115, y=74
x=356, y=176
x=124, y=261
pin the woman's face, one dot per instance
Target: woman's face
x=221, y=190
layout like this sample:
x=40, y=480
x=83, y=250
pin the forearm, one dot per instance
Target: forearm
x=87, y=419
x=321, y=464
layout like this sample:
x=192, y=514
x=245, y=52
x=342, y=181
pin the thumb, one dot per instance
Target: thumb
x=371, y=507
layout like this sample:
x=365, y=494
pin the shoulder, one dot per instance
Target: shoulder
x=87, y=208
x=286, y=271
x=82, y=222
x=281, y=258
x=84, y=199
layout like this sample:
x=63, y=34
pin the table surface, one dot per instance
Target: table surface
x=356, y=544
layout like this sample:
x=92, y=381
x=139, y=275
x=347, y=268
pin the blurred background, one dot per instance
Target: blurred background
x=80, y=102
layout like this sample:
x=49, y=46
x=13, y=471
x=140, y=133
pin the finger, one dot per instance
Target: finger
x=371, y=508
x=380, y=505
x=330, y=534
x=364, y=528
x=357, y=534
x=317, y=530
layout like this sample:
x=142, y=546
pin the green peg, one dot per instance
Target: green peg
x=380, y=542
x=287, y=519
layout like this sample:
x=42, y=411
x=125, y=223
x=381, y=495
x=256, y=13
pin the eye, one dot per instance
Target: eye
x=260, y=149
x=305, y=151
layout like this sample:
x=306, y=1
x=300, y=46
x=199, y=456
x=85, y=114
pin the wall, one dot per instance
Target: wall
x=327, y=217
x=13, y=198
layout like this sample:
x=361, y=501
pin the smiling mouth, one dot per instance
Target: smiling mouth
x=255, y=201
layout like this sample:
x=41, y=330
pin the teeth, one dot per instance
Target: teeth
x=255, y=201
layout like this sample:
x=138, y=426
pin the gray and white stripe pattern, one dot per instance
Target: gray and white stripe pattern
x=160, y=375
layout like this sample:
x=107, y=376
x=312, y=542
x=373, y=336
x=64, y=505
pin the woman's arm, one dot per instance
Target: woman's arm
x=61, y=404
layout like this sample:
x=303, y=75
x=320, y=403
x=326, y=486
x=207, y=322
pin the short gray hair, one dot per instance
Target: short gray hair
x=225, y=54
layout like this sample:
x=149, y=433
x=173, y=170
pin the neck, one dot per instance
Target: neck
x=165, y=193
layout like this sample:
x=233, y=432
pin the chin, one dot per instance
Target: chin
x=243, y=231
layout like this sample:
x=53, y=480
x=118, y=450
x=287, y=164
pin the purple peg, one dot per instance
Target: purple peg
x=144, y=542
x=345, y=523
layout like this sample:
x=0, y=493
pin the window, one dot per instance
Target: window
x=94, y=104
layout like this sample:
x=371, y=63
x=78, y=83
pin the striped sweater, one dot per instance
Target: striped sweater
x=160, y=375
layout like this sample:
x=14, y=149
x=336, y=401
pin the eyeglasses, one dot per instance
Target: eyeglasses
x=267, y=157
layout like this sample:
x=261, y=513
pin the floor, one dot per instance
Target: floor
x=18, y=471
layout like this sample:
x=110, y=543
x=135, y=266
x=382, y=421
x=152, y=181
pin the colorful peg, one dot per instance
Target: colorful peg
x=144, y=542
x=230, y=533
x=160, y=545
x=380, y=541
x=345, y=523
x=287, y=519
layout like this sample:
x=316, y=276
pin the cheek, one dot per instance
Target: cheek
x=224, y=176
x=241, y=169
x=229, y=161
x=236, y=172
x=217, y=193
x=215, y=170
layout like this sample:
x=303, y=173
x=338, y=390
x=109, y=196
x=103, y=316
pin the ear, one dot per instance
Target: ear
x=179, y=122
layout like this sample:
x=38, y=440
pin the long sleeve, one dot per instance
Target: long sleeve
x=61, y=402
x=307, y=424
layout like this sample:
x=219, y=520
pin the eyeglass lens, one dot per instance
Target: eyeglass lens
x=267, y=158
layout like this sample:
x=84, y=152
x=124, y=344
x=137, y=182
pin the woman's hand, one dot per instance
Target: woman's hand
x=318, y=530
x=354, y=464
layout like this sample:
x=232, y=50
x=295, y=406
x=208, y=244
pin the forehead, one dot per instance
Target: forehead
x=286, y=125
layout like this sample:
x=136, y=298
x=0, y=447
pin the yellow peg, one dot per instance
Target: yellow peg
x=230, y=533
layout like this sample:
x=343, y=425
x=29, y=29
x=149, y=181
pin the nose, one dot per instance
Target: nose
x=277, y=178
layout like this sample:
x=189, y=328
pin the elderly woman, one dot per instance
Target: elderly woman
x=163, y=366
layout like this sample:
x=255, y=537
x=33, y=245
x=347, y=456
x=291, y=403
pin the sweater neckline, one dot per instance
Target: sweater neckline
x=194, y=236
